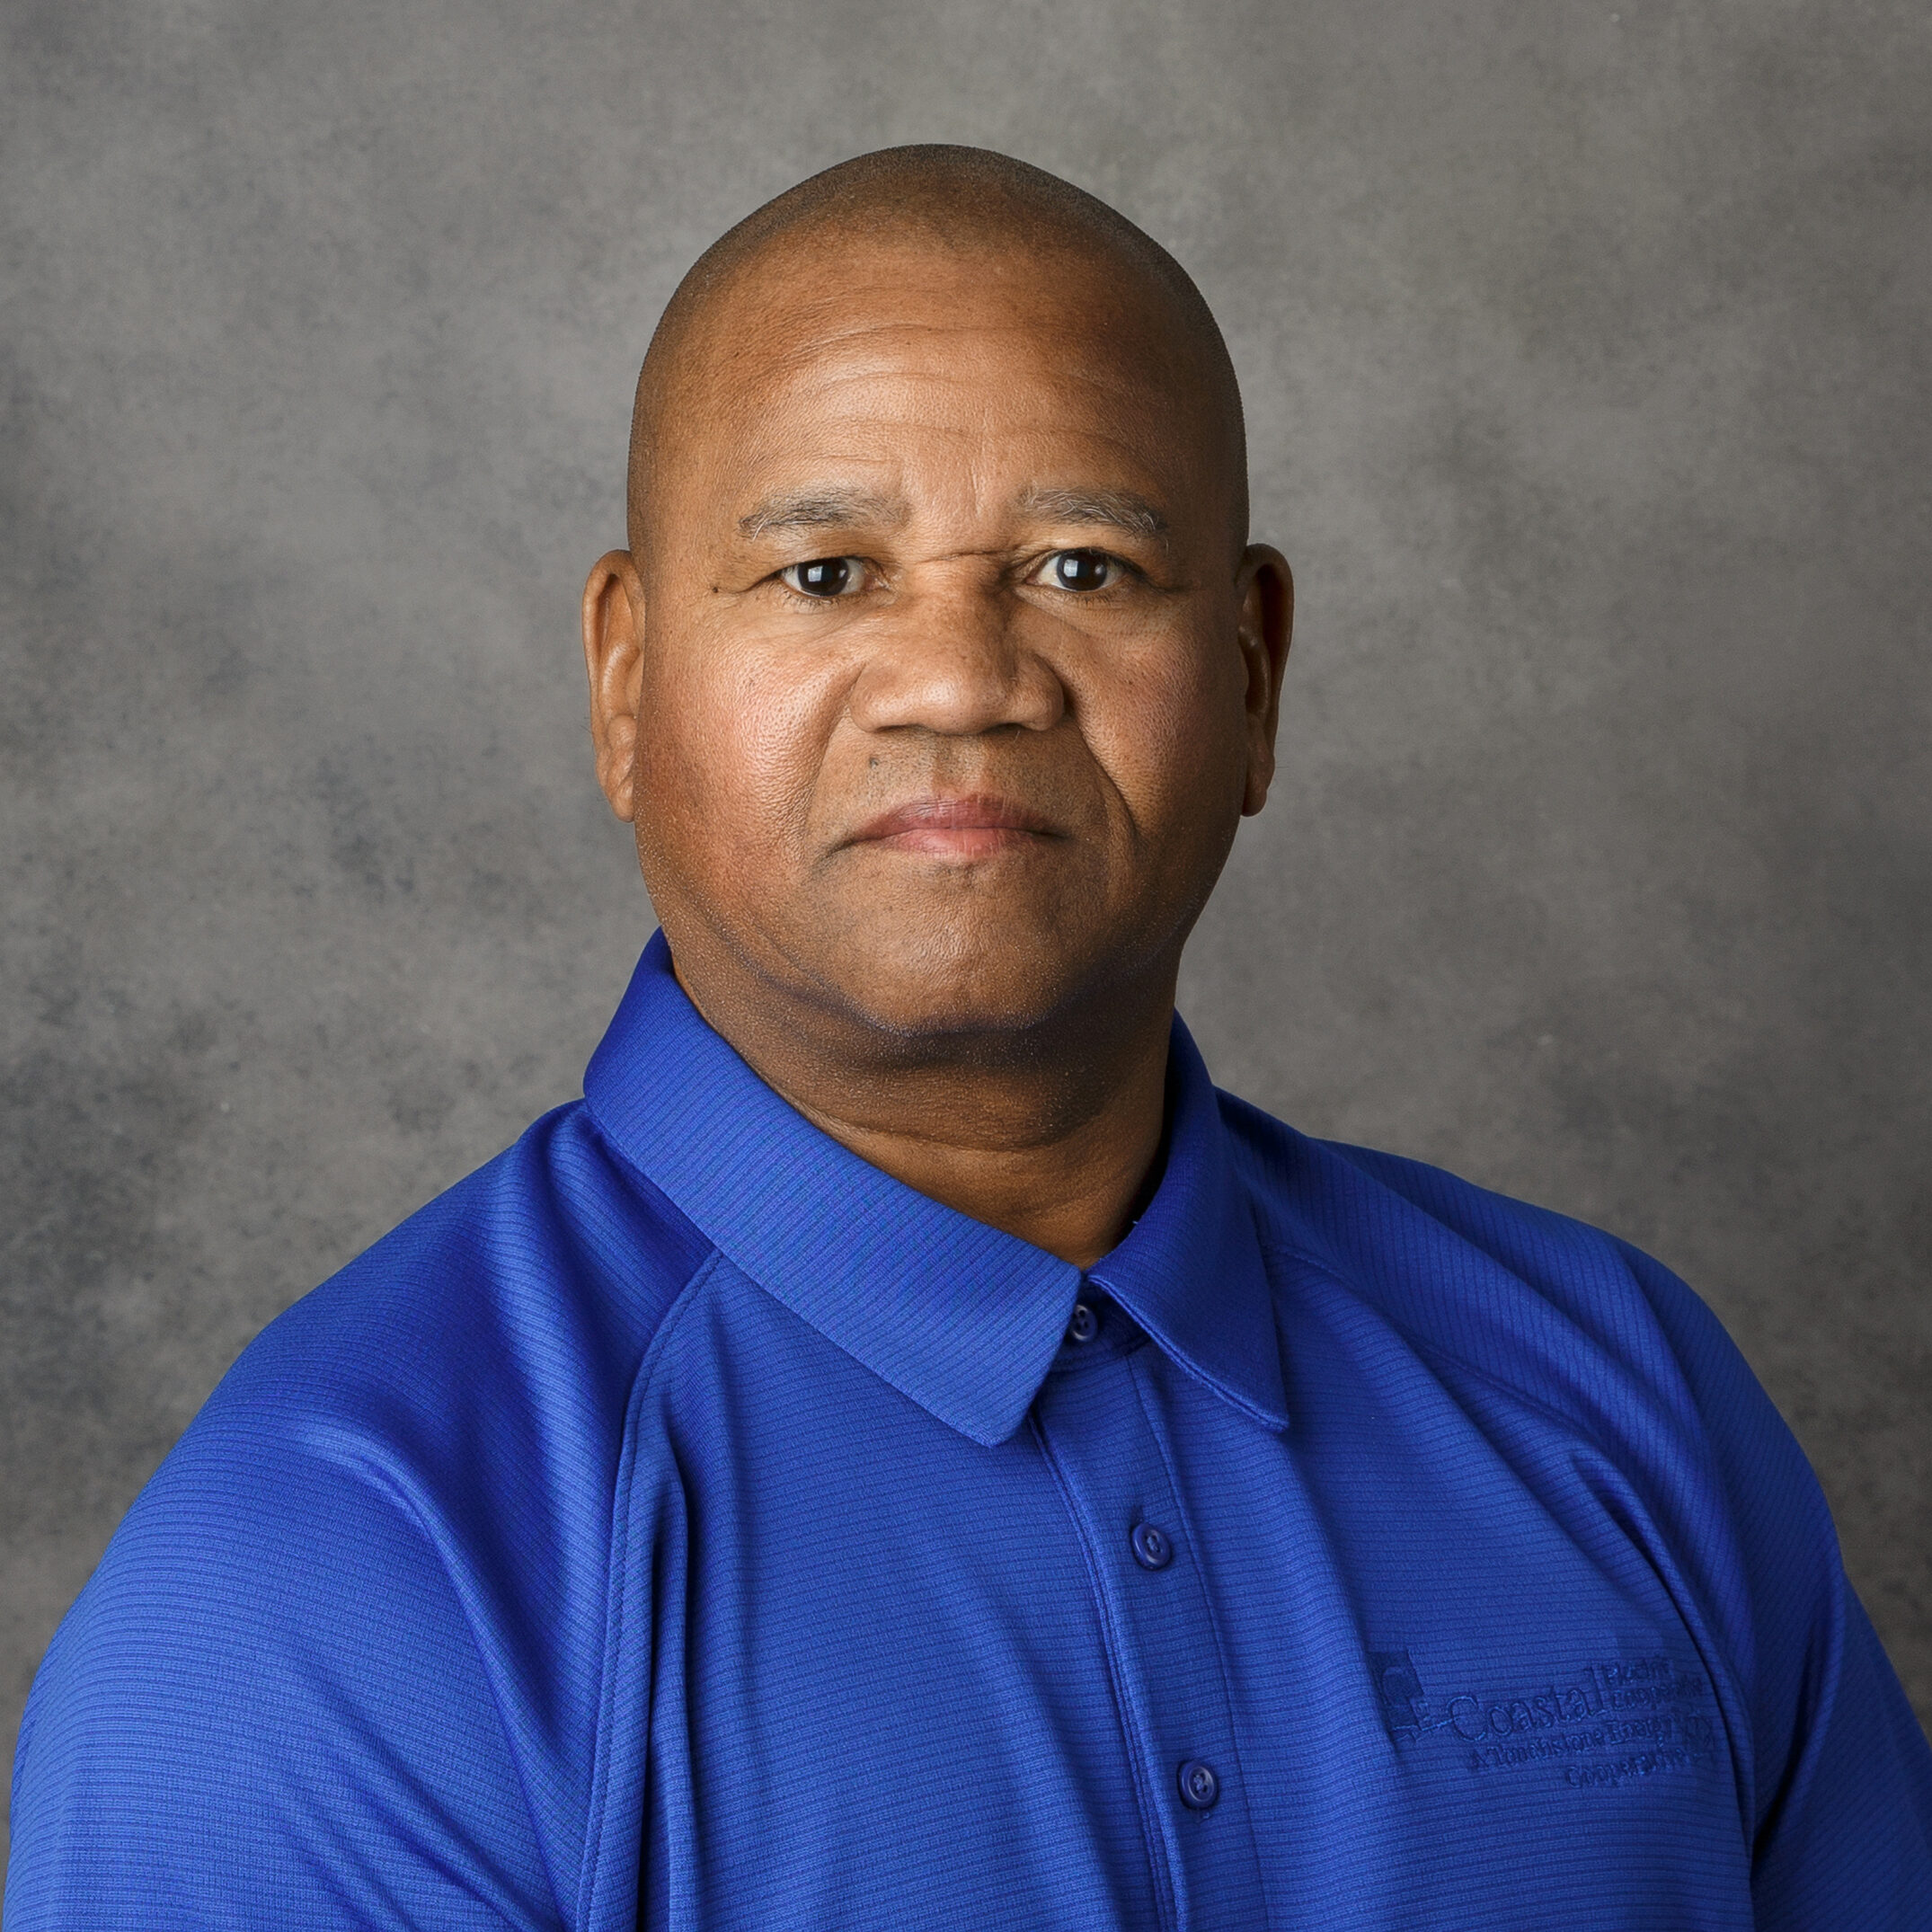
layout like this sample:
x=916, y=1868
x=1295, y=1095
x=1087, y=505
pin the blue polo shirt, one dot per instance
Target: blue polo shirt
x=682, y=1524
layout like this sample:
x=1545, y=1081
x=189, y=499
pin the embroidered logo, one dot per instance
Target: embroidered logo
x=1603, y=1725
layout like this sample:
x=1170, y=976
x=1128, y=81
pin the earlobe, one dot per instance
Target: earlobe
x=613, y=652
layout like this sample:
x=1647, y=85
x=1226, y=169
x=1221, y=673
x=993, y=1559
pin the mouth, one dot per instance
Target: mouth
x=971, y=828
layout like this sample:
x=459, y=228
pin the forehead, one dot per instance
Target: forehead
x=838, y=350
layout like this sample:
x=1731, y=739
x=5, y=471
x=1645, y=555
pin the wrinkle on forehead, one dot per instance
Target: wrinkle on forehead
x=849, y=386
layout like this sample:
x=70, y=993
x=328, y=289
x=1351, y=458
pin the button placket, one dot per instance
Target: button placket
x=1157, y=1621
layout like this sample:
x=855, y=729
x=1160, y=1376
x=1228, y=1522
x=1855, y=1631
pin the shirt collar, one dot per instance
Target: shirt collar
x=958, y=1317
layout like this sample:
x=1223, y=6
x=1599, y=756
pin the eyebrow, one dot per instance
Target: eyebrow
x=820, y=509
x=1120, y=510
x=833, y=509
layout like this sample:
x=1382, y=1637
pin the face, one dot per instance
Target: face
x=950, y=679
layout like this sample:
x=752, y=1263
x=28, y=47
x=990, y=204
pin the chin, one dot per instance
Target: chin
x=927, y=984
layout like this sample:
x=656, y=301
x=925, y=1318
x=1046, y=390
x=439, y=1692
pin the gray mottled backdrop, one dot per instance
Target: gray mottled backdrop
x=1585, y=357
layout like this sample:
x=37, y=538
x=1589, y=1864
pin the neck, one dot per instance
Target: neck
x=1050, y=1135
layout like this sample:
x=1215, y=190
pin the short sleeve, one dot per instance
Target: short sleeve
x=1842, y=1771
x=1848, y=1840
x=267, y=1708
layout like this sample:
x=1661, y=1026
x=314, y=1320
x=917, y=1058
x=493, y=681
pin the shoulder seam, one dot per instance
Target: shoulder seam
x=1430, y=1349
x=614, y=1597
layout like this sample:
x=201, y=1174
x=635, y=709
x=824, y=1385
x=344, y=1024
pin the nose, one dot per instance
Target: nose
x=946, y=658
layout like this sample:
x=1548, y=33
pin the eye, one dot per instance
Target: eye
x=1080, y=569
x=825, y=577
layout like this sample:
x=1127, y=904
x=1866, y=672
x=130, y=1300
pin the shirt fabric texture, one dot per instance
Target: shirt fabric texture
x=682, y=1524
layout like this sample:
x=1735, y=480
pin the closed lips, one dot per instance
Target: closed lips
x=948, y=815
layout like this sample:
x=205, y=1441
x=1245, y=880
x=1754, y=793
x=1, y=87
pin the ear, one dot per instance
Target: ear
x=1266, y=588
x=612, y=654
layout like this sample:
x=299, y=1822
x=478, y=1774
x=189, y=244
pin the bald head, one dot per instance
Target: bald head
x=759, y=281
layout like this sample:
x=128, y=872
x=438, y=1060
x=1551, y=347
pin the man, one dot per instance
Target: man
x=905, y=1450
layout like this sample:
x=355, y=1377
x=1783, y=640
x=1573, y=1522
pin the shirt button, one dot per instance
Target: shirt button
x=1085, y=1323
x=1152, y=1548
x=1200, y=1787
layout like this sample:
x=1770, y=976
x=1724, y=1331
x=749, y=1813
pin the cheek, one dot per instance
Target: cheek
x=1167, y=727
x=731, y=740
